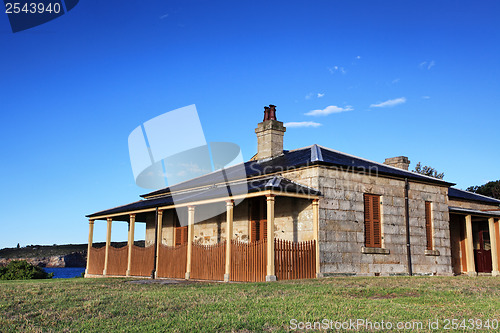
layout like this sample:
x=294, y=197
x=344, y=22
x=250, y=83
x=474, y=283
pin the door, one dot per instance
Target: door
x=482, y=248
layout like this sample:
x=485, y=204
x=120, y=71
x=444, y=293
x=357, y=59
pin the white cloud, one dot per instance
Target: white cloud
x=426, y=97
x=428, y=65
x=328, y=110
x=302, y=124
x=311, y=95
x=335, y=69
x=358, y=57
x=163, y=16
x=391, y=102
x=395, y=81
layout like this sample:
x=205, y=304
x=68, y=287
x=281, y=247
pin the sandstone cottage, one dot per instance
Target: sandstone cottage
x=303, y=213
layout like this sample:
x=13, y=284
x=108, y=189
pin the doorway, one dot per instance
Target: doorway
x=482, y=246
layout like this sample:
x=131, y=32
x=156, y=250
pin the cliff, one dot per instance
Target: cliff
x=68, y=255
x=75, y=259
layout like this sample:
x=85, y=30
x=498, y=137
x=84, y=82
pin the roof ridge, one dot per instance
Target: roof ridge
x=384, y=165
x=302, y=148
x=316, y=155
x=274, y=182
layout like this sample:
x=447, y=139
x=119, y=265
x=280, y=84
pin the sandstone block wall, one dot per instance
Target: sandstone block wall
x=471, y=205
x=342, y=223
x=293, y=221
x=341, y=229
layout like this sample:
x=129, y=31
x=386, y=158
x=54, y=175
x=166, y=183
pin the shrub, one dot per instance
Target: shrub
x=22, y=270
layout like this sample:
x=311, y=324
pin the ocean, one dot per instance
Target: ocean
x=65, y=272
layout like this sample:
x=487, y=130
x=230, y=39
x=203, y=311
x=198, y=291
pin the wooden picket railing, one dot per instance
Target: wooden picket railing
x=208, y=261
x=294, y=260
x=95, y=259
x=117, y=261
x=143, y=259
x=172, y=261
x=248, y=261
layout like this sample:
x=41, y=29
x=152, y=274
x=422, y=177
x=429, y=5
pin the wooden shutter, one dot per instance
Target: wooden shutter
x=258, y=230
x=372, y=221
x=428, y=225
x=180, y=232
x=254, y=231
x=258, y=222
x=263, y=229
x=180, y=235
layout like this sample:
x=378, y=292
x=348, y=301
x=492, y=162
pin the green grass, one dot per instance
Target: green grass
x=106, y=305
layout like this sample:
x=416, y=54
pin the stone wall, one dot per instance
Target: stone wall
x=471, y=204
x=210, y=231
x=150, y=229
x=293, y=221
x=213, y=230
x=341, y=229
x=342, y=223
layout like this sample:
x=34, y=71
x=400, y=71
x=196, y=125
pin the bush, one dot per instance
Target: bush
x=22, y=270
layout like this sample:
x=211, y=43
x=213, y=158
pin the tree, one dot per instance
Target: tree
x=490, y=189
x=428, y=171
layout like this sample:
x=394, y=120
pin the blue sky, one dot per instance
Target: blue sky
x=390, y=78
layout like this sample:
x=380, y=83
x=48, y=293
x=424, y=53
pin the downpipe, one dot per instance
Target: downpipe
x=153, y=272
x=407, y=218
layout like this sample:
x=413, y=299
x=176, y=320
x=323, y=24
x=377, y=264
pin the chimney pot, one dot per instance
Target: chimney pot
x=266, y=113
x=272, y=112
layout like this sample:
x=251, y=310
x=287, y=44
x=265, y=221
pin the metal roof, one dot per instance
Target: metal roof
x=313, y=155
x=279, y=184
x=465, y=195
x=473, y=211
x=253, y=174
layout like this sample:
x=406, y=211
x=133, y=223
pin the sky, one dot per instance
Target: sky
x=375, y=79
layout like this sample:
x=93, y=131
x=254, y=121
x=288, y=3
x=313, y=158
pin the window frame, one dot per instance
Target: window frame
x=372, y=220
x=429, y=230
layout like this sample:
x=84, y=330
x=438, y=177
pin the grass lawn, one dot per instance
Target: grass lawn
x=107, y=305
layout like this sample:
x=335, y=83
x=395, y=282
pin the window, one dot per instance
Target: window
x=258, y=230
x=428, y=224
x=181, y=233
x=258, y=219
x=372, y=221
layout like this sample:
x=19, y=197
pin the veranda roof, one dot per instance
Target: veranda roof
x=227, y=190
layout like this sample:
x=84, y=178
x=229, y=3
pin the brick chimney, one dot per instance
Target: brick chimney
x=401, y=162
x=269, y=135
